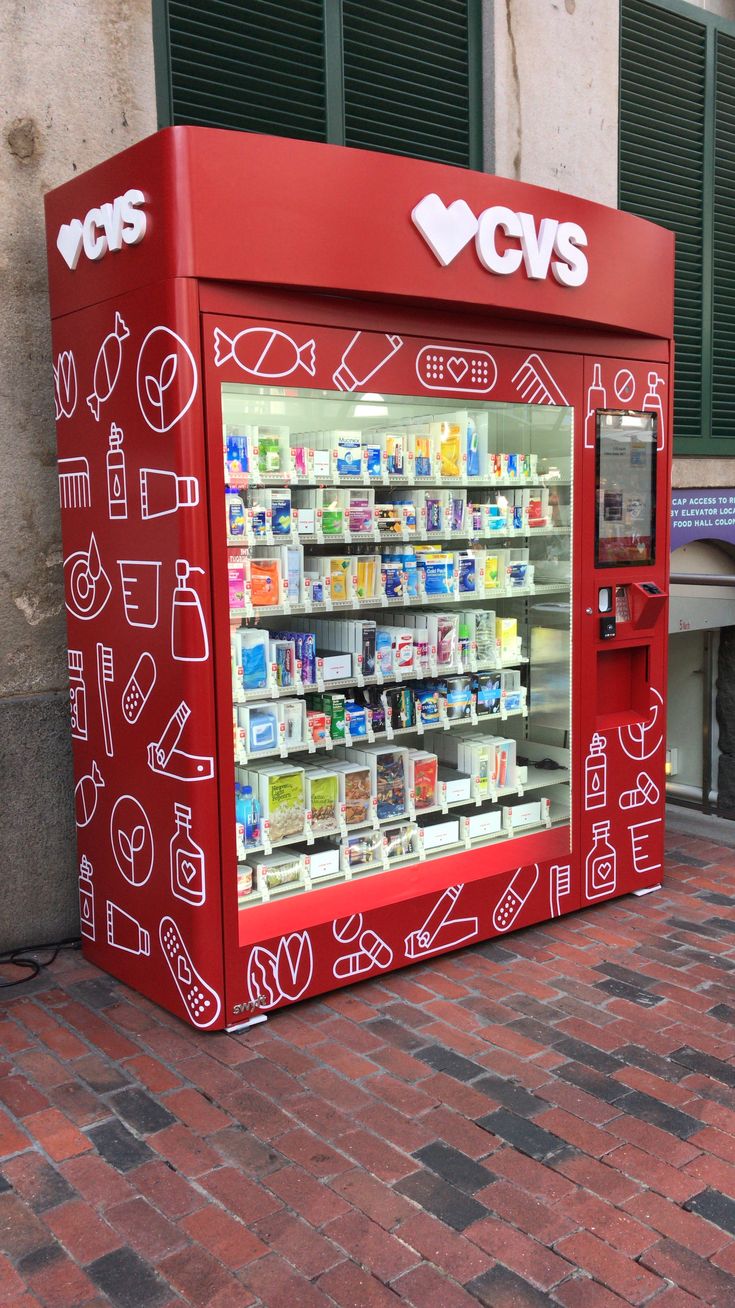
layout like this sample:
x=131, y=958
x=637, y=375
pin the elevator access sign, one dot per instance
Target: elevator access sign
x=704, y=513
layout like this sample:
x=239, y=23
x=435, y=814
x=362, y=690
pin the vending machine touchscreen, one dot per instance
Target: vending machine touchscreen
x=625, y=527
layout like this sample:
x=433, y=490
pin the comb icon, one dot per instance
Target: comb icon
x=74, y=490
x=535, y=384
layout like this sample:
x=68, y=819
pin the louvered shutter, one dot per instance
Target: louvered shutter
x=255, y=65
x=407, y=77
x=723, y=243
x=662, y=131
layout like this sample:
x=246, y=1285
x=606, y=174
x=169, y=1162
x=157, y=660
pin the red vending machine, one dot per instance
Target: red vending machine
x=364, y=480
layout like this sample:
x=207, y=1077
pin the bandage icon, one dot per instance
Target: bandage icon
x=645, y=791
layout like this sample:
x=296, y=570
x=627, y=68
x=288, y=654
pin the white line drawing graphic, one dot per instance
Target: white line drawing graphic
x=372, y=951
x=347, y=929
x=367, y=353
x=132, y=840
x=645, y=791
x=86, y=793
x=187, y=862
x=201, y=1002
x=74, y=488
x=645, y=859
x=77, y=694
x=560, y=885
x=596, y=399
x=165, y=758
x=514, y=897
x=86, y=899
x=189, y=636
x=163, y=492
x=284, y=975
x=642, y=739
x=654, y=404
x=107, y=366
x=88, y=586
x=117, y=486
x=125, y=932
x=447, y=229
x=164, y=359
x=469, y=371
x=140, y=578
x=65, y=385
x=441, y=930
x=535, y=384
x=601, y=868
x=595, y=773
x=624, y=386
x=141, y=683
x=69, y=242
x=264, y=352
x=105, y=677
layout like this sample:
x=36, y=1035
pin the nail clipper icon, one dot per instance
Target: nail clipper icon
x=440, y=930
x=166, y=759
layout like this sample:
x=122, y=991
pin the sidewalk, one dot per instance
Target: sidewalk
x=549, y=1119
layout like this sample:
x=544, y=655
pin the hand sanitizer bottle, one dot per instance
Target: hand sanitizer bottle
x=653, y=404
x=189, y=641
x=187, y=861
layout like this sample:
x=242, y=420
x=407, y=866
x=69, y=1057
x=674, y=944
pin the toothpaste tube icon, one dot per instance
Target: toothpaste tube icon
x=365, y=355
x=512, y=901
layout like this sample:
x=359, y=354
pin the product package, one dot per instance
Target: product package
x=322, y=800
x=282, y=800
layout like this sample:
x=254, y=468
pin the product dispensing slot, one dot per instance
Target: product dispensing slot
x=623, y=692
x=647, y=602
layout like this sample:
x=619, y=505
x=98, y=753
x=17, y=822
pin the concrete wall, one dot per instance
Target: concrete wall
x=556, y=94
x=77, y=86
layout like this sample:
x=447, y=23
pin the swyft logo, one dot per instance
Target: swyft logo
x=504, y=240
x=109, y=227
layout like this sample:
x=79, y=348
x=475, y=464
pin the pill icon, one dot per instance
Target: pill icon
x=645, y=791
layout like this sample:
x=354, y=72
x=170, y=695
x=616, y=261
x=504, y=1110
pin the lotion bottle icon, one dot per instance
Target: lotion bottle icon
x=595, y=774
x=187, y=861
x=189, y=640
x=653, y=404
x=86, y=899
x=596, y=399
x=117, y=490
x=601, y=866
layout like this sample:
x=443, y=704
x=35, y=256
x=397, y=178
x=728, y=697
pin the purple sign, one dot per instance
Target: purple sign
x=702, y=514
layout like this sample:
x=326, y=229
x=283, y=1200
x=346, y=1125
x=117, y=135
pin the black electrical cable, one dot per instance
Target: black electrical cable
x=17, y=958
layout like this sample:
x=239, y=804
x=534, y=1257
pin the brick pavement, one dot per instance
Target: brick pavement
x=549, y=1119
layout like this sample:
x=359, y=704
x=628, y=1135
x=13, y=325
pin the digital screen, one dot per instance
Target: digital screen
x=625, y=529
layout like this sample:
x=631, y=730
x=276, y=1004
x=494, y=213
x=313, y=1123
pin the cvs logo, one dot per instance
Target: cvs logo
x=103, y=229
x=543, y=247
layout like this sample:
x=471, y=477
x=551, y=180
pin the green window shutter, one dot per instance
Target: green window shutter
x=723, y=290
x=256, y=66
x=383, y=74
x=662, y=145
x=407, y=78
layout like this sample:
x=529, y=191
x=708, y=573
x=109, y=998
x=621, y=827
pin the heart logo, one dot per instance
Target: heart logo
x=446, y=229
x=69, y=242
x=457, y=368
x=187, y=869
x=604, y=871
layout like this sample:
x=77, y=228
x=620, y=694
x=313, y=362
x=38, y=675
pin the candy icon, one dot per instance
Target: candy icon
x=264, y=352
x=86, y=794
x=107, y=366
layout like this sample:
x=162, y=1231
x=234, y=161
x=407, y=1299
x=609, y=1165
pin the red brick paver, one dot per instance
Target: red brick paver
x=546, y=1119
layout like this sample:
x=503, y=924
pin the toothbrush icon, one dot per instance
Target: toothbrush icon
x=105, y=677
